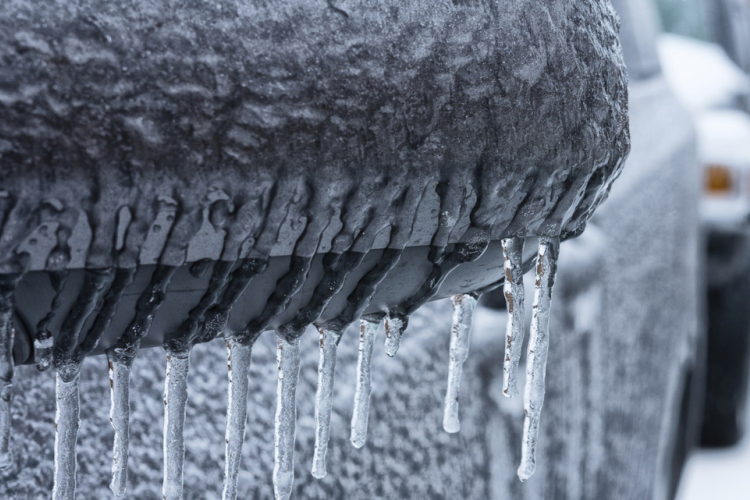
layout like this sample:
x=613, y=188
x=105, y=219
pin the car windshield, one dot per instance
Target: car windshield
x=684, y=17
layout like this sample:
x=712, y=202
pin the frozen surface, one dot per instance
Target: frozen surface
x=404, y=432
x=718, y=473
x=175, y=402
x=285, y=421
x=238, y=365
x=536, y=358
x=324, y=400
x=67, y=424
x=463, y=317
x=119, y=417
x=513, y=290
x=368, y=331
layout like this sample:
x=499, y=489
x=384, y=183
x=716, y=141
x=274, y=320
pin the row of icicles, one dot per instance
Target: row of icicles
x=288, y=359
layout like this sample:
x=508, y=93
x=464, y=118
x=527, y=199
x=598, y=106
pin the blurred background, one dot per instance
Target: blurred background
x=704, y=49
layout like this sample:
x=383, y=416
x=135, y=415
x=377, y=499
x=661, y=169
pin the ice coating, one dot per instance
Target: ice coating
x=536, y=358
x=514, y=298
x=7, y=333
x=175, y=401
x=119, y=417
x=368, y=331
x=43, y=352
x=509, y=136
x=324, y=399
x=463, y=315
x=216, y=317
x=394, y=330
x=43, y=341
x=238, y=363
x=67, y=423
x=288, y=361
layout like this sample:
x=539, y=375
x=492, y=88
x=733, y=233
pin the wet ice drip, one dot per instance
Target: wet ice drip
x=238, y=362
x=67, y=357
x=175, y=401
x=67, y=422
x=324, y=399
x=394, y=330
x=536, y=358
x=442, y=265
x=463, y=315
x=288, y=361
x=119, y=416
x=43, y=340
x=514, y=298
x=7, y=332
x=368, y=330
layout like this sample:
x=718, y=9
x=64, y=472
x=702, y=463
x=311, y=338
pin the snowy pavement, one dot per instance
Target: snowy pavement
x=718, y=474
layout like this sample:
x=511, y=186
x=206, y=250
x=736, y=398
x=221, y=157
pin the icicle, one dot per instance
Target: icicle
x=7, y=332
x=175, y=400
x=119, y=417
x=463, y=314
x=67, y=422
x=514, y=297
x=43, y=352
x=394, y=329
x=368, y=330
x=323, y=399
x=536, y=358
x=288, y=361
x=238, y=362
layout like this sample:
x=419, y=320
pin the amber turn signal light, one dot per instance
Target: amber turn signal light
x=718, y=180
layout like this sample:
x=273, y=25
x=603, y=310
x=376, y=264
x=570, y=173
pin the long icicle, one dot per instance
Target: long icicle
x=536, y=358
x=7, y=332
x=238, y=363
x=175, y=401
x=288, y=361
x=368, y=331
x=324, y=399
x=463, y=315
x=119, y=417
x=395, y=326
x=514, y=297
x=67, y=422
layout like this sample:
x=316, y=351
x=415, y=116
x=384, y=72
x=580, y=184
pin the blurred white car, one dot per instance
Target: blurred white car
x=716, y=91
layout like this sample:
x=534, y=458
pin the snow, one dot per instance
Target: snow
x=700, y=73
x=721, y=473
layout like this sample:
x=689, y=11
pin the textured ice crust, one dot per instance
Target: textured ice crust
x=348, y=132
x=517, y=109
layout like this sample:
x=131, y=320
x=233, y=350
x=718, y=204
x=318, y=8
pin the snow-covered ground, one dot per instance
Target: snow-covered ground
x=718, y=474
